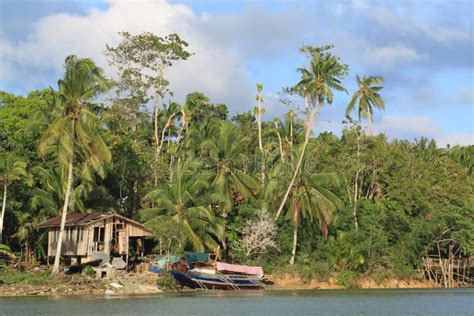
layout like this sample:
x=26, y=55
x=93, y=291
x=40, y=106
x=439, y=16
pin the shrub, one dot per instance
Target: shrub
x=321, y=268
x=89, y=271
x=380, y=275
x=165, y=281
x=346, y=278
x=306, y=273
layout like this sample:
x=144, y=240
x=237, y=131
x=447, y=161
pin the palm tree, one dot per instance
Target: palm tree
x=463, y=155
x=310, y=199
x=287, y=132
x=11, y=169
x=368, y=97
x=77, y=131
x=183, y=201
x=226, y=152
x=317, y=82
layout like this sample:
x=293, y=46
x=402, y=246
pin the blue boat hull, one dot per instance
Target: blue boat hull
x=210, y=281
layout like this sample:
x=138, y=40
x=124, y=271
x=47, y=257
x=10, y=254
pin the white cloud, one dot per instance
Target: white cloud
x=402, y=24
x=466, y=96
x=215, y=69
x=390, y=56
x=228, y=45
x=415, y=127
x=462, y=139
x=408, y=127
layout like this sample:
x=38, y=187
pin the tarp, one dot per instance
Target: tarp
x=222, y=266
x=162, y=261
x=192, y=257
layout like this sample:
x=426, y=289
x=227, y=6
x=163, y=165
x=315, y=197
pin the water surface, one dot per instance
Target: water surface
x=301, y=302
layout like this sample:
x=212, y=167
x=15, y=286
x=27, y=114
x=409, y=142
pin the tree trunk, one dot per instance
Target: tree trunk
x=295, y=235
x=356, y=190
x=356, y=184
x=280, y=143
x=178, y=142
x=70, y=179
x=369, y=122
x=291, y=140
x=4, y=206
x=157, y=142
x=309, y=124
x=259, y=126
x=27, y=252
x=260, y=144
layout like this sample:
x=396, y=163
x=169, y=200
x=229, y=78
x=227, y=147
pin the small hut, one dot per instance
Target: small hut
x=95, y=236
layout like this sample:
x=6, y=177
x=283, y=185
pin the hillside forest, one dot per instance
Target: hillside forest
x=259, y=191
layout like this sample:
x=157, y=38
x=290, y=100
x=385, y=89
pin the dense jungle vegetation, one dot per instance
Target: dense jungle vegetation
x=261, y=191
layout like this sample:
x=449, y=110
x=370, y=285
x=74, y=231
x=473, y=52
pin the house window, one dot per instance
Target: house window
x=55, y=235
x=80, y=234
x=69, y=233
x=99, y=234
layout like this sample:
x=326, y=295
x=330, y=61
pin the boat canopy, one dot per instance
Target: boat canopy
x=192, y=257
x=236, y=268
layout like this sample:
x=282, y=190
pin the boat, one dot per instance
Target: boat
x=198, y=272
x=208, y=281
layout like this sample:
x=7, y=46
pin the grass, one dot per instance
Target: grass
x=12, y=276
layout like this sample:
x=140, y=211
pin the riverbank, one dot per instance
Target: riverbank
x=132, y=283
x=287, y=281
x=146, y=283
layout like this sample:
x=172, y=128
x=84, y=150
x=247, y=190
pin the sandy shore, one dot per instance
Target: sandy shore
x=292, y=281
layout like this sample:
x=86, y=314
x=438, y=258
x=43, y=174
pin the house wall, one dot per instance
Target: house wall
x=136, y=231
x=86, y=247
x=71, y=247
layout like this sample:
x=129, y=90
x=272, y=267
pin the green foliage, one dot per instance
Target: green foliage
x=346, y=278
x=403, y=196
x=166, y=282
x=12, y=276
x=89, y=271
x=368, y=97
x=6, y=251
x=182, y=202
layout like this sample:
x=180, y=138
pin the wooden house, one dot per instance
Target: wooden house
x=95, y=236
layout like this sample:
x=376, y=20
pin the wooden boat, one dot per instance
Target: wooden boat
x=217, y=280
x=218, y=275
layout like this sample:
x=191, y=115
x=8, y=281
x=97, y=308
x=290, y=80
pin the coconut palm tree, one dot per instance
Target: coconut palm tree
x=368, y=98
x=225, y=150
x=183, y=201
x=311, y=198
x=316, y=86
x=11, y=169
x=78, y=130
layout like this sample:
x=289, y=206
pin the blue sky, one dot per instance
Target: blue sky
x=423, y=49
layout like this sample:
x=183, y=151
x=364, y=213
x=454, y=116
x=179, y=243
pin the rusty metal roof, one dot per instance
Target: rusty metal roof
x=78, y=219
x=73, y=219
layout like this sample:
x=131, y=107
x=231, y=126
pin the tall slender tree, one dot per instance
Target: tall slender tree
x=316, y=86
x=11, y=169
x=258, y=115
x=77, y=131
x=368, y=98
x=141, y=61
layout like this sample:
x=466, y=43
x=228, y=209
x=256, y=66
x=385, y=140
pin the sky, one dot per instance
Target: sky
x=424, y=49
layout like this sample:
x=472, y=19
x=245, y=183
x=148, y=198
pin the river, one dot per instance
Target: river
x=283, y=302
